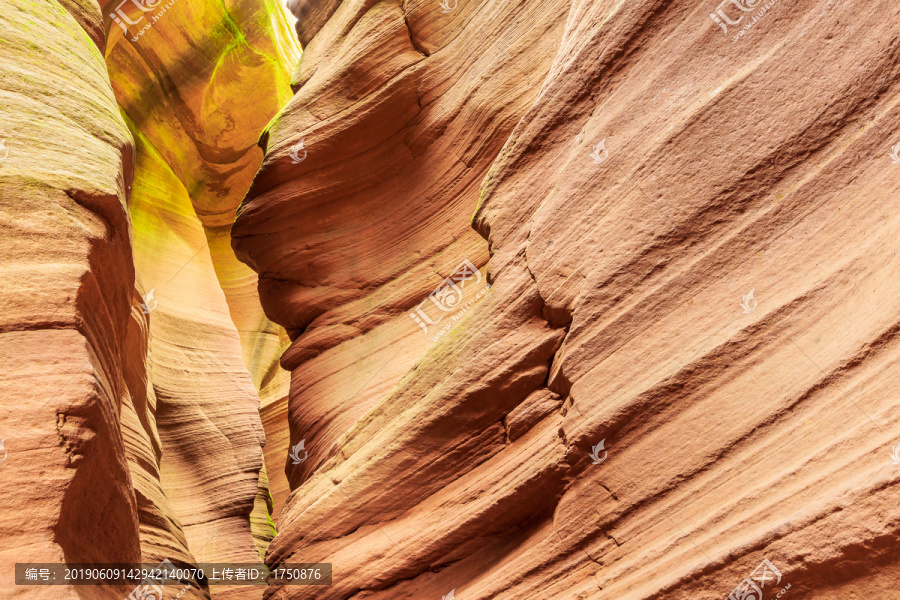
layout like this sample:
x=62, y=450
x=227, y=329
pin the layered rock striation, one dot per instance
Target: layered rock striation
x=685, y=364
x=67, y=290
x=577, y=299
x=196, y=85
x=136, y=347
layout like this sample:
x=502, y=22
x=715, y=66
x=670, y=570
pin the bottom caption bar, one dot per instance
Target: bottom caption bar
x=169, y=573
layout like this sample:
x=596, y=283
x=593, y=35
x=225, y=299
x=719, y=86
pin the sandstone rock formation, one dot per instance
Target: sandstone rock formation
x=691, y=224
x=66, y=299
x=195, y=116
x=583, y=300
x=137, y=349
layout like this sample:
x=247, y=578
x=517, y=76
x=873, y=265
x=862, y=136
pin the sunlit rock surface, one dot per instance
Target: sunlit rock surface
x=687, y=363
x=197, y=88
x=66, y=297
x=137, y=348
x=587, y=300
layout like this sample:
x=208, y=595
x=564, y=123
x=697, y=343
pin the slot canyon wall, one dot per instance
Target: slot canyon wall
x=138, y=350
x=686, y=364
x=584, y=299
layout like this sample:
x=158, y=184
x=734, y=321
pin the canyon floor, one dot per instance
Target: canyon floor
x=452, y=299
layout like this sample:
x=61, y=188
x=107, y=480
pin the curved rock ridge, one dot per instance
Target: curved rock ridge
x=681, y=383
x=197, y=84
x=68, y=279
x=137, y=347
x=352, y=237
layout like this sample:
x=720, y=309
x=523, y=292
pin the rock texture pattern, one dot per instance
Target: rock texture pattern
x=583, y=299
x=66, y=298
x=687, y=363
x=196, y=88
x=137, y=351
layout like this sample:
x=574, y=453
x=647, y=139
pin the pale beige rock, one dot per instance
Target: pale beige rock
x=198, y=86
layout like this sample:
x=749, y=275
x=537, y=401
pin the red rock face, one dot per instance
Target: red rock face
x=585, y=300
x=685, y=364
x=129, y=426
x=68, y=277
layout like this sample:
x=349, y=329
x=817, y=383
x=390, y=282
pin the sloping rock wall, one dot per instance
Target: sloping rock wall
x=687, y=361
x=68, y=279
x=136, y=347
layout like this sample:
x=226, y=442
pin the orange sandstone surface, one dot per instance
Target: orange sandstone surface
x=584, y=300
x=687, y=362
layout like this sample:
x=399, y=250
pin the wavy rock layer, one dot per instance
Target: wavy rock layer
x=359, y=232
x=197, y=87
x=693, y=255
x=67, y=287
x=135, y=340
